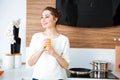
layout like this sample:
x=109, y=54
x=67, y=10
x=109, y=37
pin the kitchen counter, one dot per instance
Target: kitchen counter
x=117, y=74
x=17, y=74
x=26, y=74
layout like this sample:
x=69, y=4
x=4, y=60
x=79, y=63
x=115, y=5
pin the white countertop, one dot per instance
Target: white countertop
x=17, y=74
x=26, y=74
x=117, y=74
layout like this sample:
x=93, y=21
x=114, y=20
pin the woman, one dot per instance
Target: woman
x=49, y=50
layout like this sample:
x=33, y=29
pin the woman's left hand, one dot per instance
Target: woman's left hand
x=50, y=51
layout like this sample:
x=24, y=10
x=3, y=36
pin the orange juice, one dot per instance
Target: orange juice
x=48, y=46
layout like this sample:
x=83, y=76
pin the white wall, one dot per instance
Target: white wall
x=11, y=10
x=82, y=57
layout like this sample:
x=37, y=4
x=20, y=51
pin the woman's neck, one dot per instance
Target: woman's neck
x=52, y=32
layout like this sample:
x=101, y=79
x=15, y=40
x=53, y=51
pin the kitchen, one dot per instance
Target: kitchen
x=8, y=8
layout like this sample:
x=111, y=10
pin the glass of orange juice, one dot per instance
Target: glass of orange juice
x=48, y=46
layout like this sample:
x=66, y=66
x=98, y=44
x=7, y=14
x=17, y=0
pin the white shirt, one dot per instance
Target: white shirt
x=47, y=67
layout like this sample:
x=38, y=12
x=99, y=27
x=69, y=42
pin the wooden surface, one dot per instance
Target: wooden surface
x=117, y=48
x=79, y=37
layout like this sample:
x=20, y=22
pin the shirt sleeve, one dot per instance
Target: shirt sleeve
x=65, y=53
x=31, y=48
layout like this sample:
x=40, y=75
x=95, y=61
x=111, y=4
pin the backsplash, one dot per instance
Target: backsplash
x=82, y=57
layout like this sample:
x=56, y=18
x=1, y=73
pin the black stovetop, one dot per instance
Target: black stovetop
x=99, y=75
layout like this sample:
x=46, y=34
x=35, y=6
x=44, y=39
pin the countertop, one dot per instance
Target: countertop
x=26, y=74
x=17, y=74
x=117, y=74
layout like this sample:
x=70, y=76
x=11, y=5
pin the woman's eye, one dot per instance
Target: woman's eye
x=47, y=17
x=41, y=17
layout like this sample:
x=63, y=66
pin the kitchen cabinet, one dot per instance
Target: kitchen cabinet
x=97, y=13
x=117, y=48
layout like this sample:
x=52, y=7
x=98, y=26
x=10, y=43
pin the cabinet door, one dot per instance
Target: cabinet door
x=117, y=48
x=94, y=13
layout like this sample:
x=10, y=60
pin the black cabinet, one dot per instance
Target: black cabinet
x=86, y=13
x=94, y=13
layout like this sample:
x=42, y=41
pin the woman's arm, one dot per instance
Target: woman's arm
x=34, y=58
x=64, y=64
x=63, y=59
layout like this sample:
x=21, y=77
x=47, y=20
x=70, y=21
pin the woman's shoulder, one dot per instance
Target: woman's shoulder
x=62, y=36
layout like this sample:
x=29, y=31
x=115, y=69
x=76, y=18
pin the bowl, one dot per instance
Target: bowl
x=1, y=72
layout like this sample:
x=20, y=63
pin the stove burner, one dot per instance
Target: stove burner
x=82, y=76
x=100, y=75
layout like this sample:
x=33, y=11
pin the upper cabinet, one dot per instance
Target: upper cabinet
x=86, y=13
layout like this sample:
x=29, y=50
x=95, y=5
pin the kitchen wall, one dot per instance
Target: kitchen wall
x=102, y=37
x=82, y=57
x=11, y=10
x=14, y=9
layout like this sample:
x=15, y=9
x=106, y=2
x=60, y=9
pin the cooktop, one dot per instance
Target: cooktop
x=93, y=75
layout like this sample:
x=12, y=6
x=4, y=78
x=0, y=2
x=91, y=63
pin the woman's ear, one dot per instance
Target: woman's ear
x=56, y=19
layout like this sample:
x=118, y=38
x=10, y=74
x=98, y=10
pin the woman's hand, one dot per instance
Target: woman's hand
x=63, y=63
x=46, y=44
x=48, y=47
x=50, y=51
x=34, y=58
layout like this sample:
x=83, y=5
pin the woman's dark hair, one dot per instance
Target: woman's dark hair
x=55, y=12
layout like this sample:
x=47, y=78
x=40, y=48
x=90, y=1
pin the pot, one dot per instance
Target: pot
x=79, y=71
x=99, y=65
x=99, y=74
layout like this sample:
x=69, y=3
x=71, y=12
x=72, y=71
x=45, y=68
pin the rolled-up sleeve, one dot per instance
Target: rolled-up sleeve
x=31, y=48
x=66, y=49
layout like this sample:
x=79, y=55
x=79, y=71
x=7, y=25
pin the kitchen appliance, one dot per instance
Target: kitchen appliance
x=92, y=75
x=100, y=65
x=80, y=71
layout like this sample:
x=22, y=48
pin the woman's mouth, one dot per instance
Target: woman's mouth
x=45, y=24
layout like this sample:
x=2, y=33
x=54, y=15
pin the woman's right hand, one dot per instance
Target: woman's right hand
x=34, y=58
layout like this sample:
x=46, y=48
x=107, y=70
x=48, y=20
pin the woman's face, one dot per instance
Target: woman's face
x=47, y=19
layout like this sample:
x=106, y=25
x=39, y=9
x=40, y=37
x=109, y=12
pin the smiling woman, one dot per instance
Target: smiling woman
x=49, y=50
